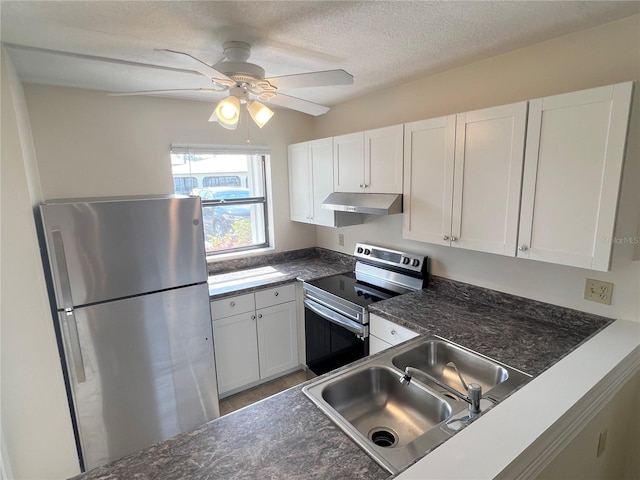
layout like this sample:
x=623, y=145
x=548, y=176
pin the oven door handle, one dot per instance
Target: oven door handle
x=334, y=317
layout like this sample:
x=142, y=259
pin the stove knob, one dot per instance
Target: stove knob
x=405, y=260
x=359, y=293
x=359, y=250
x=367, y=251
x=366, y=295
x=415, y=262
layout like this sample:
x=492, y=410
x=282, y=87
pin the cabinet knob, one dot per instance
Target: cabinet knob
x=361, y=185
x=259, y=315
x=393, y=332
x=233, y=304
x=445, y=237
x=523, y=248
x=276, y=294
x=253, y=317
x=454, y=239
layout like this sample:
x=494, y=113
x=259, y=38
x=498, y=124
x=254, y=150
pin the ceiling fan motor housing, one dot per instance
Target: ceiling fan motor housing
x=235, y=65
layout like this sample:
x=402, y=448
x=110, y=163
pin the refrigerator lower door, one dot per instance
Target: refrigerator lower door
x=146, y=370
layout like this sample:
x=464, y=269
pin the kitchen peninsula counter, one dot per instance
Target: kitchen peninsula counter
x=288, y=437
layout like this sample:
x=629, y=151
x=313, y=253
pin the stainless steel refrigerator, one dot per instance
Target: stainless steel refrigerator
x=129, y=277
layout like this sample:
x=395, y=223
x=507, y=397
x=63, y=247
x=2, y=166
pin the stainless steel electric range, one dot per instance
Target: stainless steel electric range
x=336, y=313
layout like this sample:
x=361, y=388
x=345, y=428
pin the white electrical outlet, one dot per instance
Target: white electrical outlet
x=341, y=239
x=598, y=291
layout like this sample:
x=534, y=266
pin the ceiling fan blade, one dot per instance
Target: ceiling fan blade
x=298, y=104
x=312, y=79
x=157, y=92
x=187, y=61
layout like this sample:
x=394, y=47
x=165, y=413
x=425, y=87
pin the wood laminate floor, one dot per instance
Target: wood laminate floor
x=252, y=395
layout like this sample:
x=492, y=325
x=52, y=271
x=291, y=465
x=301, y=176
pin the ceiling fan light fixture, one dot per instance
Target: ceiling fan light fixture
x=260, y=113
x=227, y=112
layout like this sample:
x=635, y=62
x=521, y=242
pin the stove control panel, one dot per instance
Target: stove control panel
x=385, y=256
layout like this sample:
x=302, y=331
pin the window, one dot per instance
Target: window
x=231, y=183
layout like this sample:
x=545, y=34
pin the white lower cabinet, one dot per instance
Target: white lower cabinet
x=255, y=337
x=384, y=334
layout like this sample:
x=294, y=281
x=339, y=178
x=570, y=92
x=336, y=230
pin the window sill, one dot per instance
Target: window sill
x=235, y=255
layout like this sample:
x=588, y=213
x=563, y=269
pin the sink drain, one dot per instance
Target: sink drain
x=383, y=437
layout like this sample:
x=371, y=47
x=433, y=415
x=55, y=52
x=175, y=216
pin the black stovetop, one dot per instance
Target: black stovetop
x=346, y=286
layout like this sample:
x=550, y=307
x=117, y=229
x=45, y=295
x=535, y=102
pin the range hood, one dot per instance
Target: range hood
x=371, y=203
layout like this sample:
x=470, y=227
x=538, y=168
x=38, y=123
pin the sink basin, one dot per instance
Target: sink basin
x=391, y=422
x=433, y=357
x=381, y=409
x=398, y=424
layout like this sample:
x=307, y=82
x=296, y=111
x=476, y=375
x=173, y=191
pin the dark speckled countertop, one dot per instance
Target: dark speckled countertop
x=243, y=276
x=287, y=437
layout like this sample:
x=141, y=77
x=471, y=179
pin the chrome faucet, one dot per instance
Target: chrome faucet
x=474, y=391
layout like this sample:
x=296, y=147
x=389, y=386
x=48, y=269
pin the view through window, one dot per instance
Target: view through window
x=233, y=192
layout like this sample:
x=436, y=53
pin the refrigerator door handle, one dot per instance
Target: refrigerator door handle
x=63, y=272
x=74, y=345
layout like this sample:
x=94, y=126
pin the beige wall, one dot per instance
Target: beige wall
x=36, y=424
x=90, y=145
x=599, y=56
x=620, y=419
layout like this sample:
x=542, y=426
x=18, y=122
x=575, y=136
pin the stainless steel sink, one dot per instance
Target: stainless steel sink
x=380, y=408
x=397, y=424
x=435, y=356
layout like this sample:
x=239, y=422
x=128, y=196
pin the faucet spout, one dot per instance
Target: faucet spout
x=474, y=391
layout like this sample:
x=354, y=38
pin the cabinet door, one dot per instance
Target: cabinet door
x=299, y=183
x=573, y=164
x=428, y=179
x=488, y=171
x=383, y=160
x=277, y=339
x=235, y=342
x=321, y=153
x=348, y=163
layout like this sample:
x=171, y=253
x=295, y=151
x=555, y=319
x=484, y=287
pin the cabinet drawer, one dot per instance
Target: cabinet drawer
x=276, y=295
x=388, y=331
x=232, y=306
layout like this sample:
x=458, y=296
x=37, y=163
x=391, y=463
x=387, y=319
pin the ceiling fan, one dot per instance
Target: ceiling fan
x=247, y=84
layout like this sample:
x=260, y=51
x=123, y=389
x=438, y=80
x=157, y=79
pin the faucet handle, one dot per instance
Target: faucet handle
x=474, y=393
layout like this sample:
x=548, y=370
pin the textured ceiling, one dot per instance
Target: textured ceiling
x=110, y=45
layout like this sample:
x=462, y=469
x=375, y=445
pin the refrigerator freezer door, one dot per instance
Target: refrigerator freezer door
x=149, y=368
x=119, y=248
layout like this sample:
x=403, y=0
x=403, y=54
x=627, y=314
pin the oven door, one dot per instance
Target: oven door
x=331, y=339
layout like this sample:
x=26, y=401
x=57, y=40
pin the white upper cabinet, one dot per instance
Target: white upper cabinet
x=311, y=182
x=462, y=179
x=369, y=162
x=487, y=177
x=573, y=165
x=383, y=156
x=428, y=179
x=348, y=163
x=300, y=191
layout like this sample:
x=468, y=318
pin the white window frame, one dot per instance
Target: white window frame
x=249, y=150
